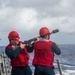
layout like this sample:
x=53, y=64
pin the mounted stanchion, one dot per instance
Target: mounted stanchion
x=3, y=64
x=0, y=65
x=59, y=67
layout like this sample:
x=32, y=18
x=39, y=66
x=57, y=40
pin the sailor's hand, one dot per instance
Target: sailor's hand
x=57, y=45
x=37, y=39
x=22, y=45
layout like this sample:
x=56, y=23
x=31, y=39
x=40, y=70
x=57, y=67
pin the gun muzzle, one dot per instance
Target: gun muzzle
x=55, y=31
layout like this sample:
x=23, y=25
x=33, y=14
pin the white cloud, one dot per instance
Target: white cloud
x=18, y=18
x=3, y=3
x=28, y=20
x=66, y=3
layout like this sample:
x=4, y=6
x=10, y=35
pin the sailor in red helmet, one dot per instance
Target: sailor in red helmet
x=18, y=54
x=44, y=50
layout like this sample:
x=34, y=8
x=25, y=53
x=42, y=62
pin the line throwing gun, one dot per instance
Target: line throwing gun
x=28, y=42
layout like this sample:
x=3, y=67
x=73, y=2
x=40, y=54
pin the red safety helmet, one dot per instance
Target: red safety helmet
x=13, y=35
x=44, y=31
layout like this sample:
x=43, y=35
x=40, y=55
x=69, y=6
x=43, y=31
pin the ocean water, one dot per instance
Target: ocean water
x=67, y=59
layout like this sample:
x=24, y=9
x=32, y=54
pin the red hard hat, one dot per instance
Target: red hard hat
x=13, y=35
x=44, y=31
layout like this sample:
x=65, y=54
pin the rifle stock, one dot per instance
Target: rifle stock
x=28, y=42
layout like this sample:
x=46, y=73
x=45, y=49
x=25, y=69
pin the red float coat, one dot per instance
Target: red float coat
x=43, y=54
x=21, y=59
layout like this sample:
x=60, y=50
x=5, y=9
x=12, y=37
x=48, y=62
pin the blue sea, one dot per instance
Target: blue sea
x=67, y=59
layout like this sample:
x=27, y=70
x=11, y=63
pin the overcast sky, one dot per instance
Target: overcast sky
x=28, y=16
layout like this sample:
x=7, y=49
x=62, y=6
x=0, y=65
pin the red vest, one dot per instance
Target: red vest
x=43, y=54
x=21, y=59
